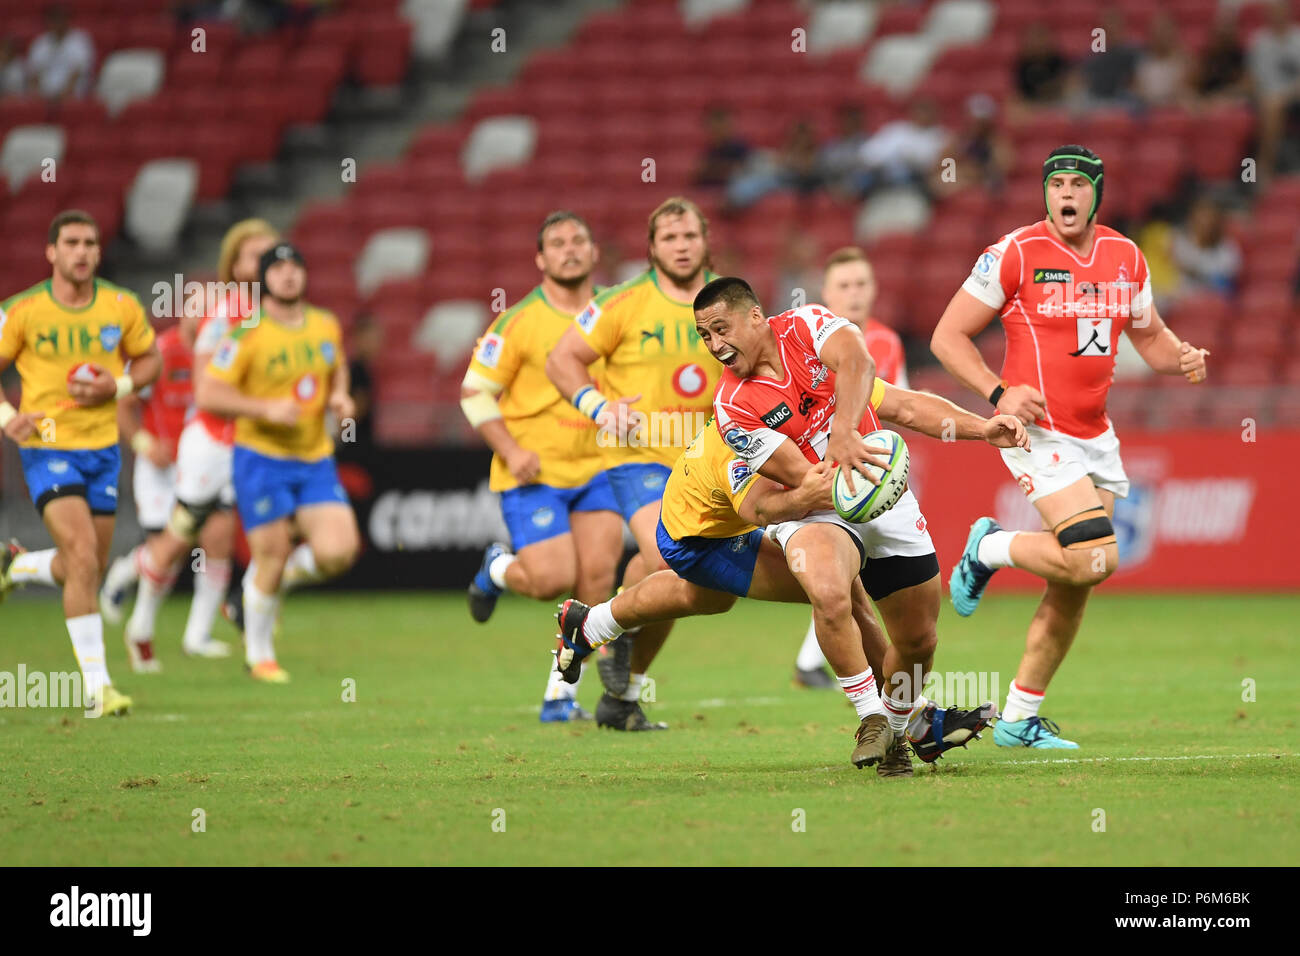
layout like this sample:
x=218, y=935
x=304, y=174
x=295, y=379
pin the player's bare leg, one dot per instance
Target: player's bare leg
x=545, y=570
x=826, y=563
x=270, y=545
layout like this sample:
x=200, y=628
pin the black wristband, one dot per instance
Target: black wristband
x=996, y=394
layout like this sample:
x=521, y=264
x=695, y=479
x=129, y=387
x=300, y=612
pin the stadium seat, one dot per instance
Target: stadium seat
x=498, y=142
x=840, y=25
x=696, y=13
x=435, y=23
x=897, y=63
x=129, y=75
x=384, y=54
x=959, y=22
x=391, y=254
x=450, y=329
x=26, y=148
x=159, y=201
x=892, y=210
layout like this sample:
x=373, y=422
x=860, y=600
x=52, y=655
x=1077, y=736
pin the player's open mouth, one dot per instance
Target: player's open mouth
x=727, y=357
x=1068, y=214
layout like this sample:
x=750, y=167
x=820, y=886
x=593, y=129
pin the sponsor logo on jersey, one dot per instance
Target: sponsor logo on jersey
x=805, y=404
x=689, y=380
x=109, y=336
x=1052, y=275
x=489, y=352
x=738, y=473
x=224, y=357
x=1094, y=337
x=737, y=439
x=305, y=388
x=777, y=416
x=588, y=317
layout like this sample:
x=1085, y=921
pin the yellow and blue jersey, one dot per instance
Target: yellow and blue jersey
x=704, y=491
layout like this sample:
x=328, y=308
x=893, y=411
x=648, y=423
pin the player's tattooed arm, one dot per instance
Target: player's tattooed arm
x=939, y=418
x=769, y=503
x=1163, y=350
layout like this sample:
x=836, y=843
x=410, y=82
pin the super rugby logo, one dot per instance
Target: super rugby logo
x=489, y=353
x=737, y=439
x=738, y=473
x=587, y=320
x=777, y=416
x=689, y=380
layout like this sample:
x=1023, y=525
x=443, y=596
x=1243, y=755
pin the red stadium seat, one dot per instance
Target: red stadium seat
x=385, y=53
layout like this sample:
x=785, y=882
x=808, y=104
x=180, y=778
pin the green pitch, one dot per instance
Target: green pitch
x=441, y=758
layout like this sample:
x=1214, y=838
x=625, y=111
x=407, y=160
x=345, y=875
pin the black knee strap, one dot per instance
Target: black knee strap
x=1089, y=529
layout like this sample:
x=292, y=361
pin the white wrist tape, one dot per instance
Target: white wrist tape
x=589, y=401
x=125, y=386
x=142, y=442
x=7, y=414
x=482, y=406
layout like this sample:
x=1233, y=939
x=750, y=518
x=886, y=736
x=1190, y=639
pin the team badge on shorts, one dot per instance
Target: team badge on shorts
x=652, y=481
x=57, y=466
x=543, y=517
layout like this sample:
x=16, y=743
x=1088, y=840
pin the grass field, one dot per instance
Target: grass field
x=444, y=733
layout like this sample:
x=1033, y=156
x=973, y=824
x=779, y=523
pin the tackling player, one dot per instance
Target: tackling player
x=277, y=374
x=710, y=533
x=849, y=290
x=204, y=494
x=659, y=391
x=799, y=388
x=1064, y=288
x=564, y=523
x=71, y=338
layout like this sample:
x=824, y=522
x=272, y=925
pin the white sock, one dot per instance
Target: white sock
x=154, y=587
x=559, y=689
x=497, y=569
x=209, y=591
x=33, y=567
x=633, y=691
x=995, y=550
x=1022, y=703
x=600, y=627
x=917, y=725
x=259, y=623
x=123, y=572
x=87, y=633
x=299, y=569
x=899, y=712
x=810, y=656
x=861, y=692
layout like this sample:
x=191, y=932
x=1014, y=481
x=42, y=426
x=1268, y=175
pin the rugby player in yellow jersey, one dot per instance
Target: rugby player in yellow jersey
x=711, y=536
x=564, y=524
x=660, y=382
x=71, y=338
x=276, y=373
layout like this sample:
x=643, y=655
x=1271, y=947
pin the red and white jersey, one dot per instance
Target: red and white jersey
x=1063, y=316
x=211, y=332
x=886, y=349
x=756, y=414
x=165, y=403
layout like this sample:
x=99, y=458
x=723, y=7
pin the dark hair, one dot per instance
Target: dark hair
x=71, y=217
x=736, y=294
x=557, y=217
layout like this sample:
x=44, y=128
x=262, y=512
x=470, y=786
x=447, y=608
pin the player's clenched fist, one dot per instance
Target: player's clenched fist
x=524, y=465
x=615, y=419
x=280, y=411
x=95, y=389
x=1191, y=362
x=24, y=425
x=815, y=488
x=1025, y=402
x=1006, y=431
x=847, y=448
x=342, y=405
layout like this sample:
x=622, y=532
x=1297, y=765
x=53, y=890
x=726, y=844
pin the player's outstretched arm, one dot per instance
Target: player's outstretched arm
x=939, y=418
x=769, y=503
x=222, y=398
x=1164, y=351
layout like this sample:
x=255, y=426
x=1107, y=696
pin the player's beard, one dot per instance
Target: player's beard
x=570, y=283
x=680, y=279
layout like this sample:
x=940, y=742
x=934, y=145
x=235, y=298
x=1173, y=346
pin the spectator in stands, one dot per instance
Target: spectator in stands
x=799, y=169
x=840, y=160
x=367, y=346
x=13, y=78
x=1221, y=71
x=1164, y=70
x=1274, y=62
x=60, y=62
x=984, y=156
x=794, y=167
x=1208, y=259
x=1109, y=74
x=725, y=152
x=907, y=151
x=1040, y=67
x=799, y=276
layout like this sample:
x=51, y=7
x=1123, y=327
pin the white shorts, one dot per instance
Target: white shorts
x=154, y=493
x=1056, y=460
x=203, y=468
x=899, y=532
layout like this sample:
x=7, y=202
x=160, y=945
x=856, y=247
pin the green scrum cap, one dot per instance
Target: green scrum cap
x=1075, y=159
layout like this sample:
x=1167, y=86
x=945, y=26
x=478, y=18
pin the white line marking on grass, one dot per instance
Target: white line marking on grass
x=1145, y=759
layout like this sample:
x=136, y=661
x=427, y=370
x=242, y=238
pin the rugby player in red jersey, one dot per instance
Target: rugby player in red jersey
x=800, y=388
x=1064, y=288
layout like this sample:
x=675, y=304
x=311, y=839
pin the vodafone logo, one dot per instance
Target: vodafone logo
x=689, y=380
x=306, y=388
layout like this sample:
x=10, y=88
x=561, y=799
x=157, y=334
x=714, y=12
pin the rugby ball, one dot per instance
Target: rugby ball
x=83, y=372
x=871, y=501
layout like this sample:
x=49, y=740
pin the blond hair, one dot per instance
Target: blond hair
x=846, y=254
x=676, y=206
x=234, y=238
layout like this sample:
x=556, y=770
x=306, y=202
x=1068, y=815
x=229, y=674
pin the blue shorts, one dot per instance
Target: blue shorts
x=267, y=488
x=536, y=513
x=89, y=473
x=637, y=485
x=722, y=564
